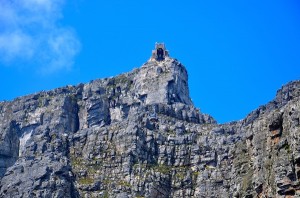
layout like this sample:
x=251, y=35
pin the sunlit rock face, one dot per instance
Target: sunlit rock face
x=139, y=135
x=162, y=82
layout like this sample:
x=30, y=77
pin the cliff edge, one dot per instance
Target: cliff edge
x=139, y=135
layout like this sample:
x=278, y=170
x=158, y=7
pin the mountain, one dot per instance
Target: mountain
x=139, y=135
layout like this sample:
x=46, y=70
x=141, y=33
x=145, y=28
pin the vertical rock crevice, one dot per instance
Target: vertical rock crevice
x=9, y=147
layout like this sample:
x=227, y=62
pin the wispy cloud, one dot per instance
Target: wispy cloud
x=30, y=32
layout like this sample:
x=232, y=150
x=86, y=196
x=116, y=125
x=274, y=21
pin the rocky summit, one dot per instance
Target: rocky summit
x=139, y=135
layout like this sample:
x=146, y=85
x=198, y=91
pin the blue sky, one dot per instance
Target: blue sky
x=237, y=53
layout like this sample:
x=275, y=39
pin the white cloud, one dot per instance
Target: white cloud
x=16, y=45
x=30, y=32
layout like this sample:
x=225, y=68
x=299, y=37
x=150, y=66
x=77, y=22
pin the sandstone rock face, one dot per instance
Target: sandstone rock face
x=139, y=135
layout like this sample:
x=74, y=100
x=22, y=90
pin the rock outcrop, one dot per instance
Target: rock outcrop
x=139, y=135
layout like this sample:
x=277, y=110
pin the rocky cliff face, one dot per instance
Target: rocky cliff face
x=139, y=135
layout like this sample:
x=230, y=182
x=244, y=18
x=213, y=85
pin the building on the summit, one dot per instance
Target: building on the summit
x=160, y=52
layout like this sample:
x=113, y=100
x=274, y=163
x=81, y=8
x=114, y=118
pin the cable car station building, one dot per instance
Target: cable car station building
x=160, y=52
